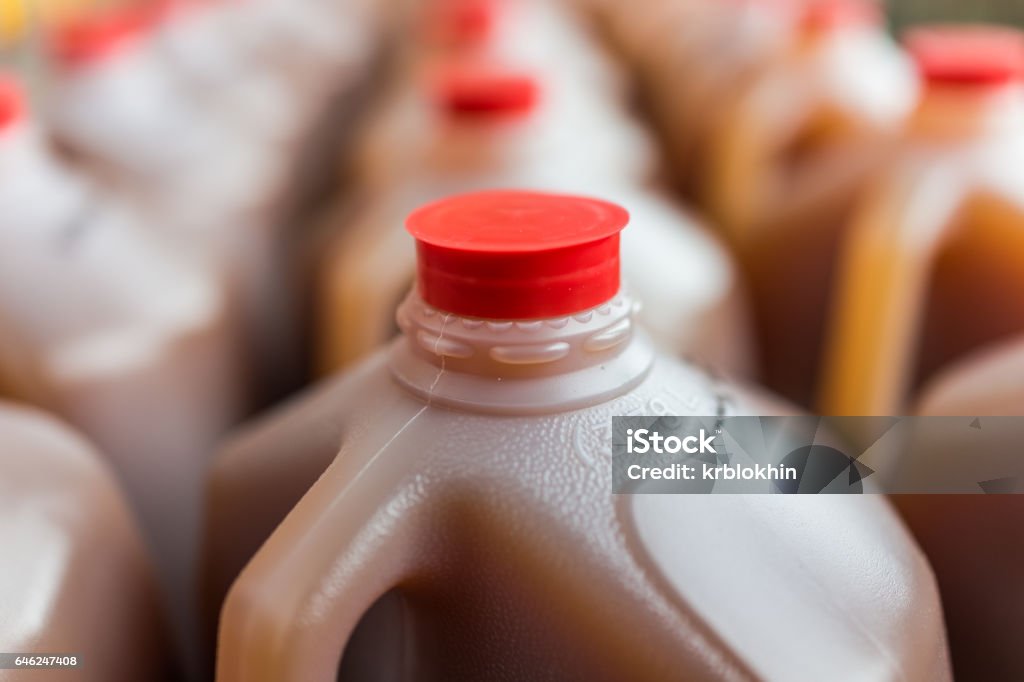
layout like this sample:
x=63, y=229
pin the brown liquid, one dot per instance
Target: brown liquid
x=783, y=191
x=915, y=303
x=509, y=559
x=969, y=538
x=971, y=303
x=76, y=578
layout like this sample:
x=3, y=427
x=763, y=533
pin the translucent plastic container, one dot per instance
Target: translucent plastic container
x=76, y=580
x=108, y=327
x=221, y=182
x=801, y=135
x=270, y=66
x=116, y=106
x=787, y=161
x=291, y=77
x=473, y=482
x=579, y=86
x=937, y=246
x=987, y=382
x=691, y=57
x=482, y=127
x=966, y=536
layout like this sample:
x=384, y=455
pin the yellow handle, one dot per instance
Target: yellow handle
x=881, y=292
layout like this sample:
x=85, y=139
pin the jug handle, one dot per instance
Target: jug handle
x=310, y=425
x=881, y=286
x=293, y=609
x=754, y=131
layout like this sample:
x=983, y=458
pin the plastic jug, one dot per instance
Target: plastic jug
x=120, y=111
x=111, y=105
x=535, y=32
x=472, y=478
x=936, y=245
x=969, y=538
x=844, y=85
x=217, y=80
x=461, y=96
x=105, y=326
x=76, y=578
x=269, y=66
x=580, y=87
x=555, y=40
x=787, y=161
x=691, y=57
x=489, y=127
x=987, y=382
x=293, y=77
x=219, y=189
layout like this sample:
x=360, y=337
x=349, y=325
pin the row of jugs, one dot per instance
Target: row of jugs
x=871, y=198
x=459, y=474
x=479, y=432
x=141, y=290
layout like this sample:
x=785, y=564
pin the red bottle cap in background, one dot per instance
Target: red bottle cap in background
x=517, y=255
x=480, y=88
x=967, y=55
x=462, y=23
x=84, y=39
x=820, y=16
x=12, y=105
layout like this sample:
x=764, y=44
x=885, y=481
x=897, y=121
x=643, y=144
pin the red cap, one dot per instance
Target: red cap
x=12, y=105
x=463, y=23
x=968, y=55
x=820, y=16
x=517, y=255
x=87, y=38
x=480, y=88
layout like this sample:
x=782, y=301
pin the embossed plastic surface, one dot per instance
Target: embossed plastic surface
x=473, y=485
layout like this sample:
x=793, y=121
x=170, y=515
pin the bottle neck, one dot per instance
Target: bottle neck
x=520, y=367
x=950, y=113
